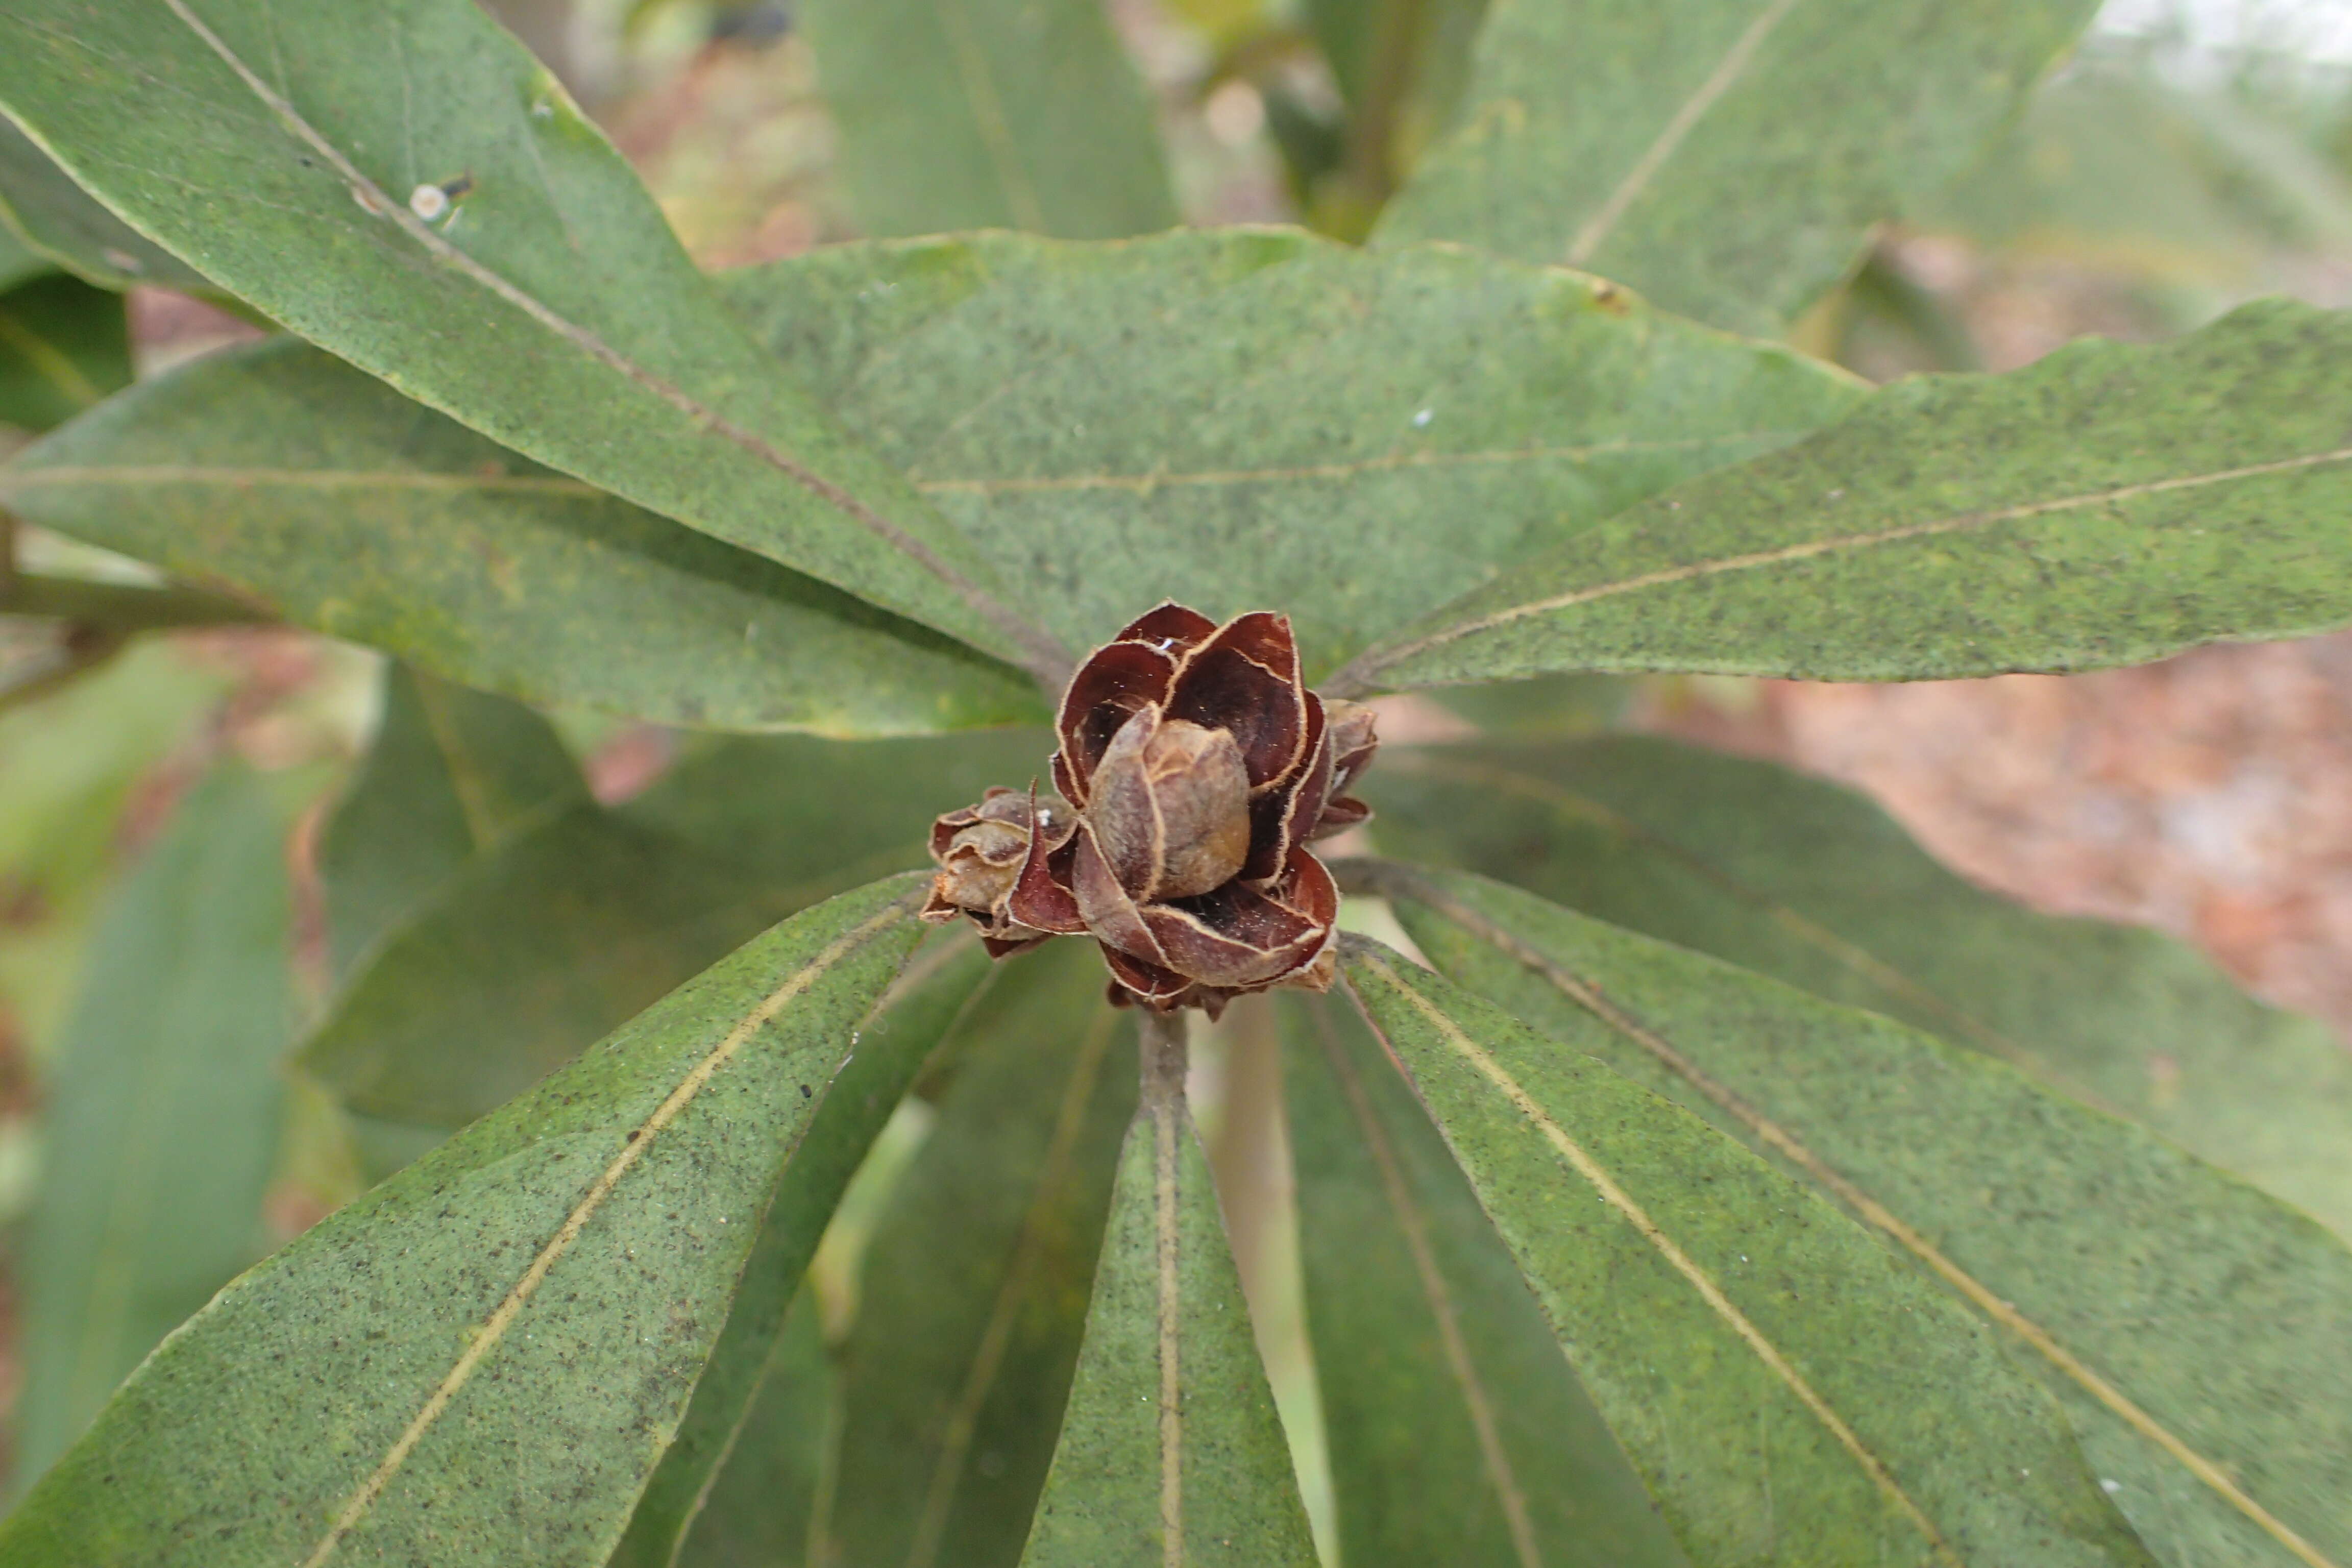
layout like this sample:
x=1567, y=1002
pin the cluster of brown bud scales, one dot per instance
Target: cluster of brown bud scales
x=1194, y=769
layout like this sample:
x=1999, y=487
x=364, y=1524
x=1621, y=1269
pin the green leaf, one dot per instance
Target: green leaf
x=2195, y=1329
x=1170, y=1451
x=1458, y=1433
x=974, y=1297
x=19, y=264
x=338, y=503
x=1789, y=1392
x=530, y=953
x=766, y=1504
x=287, y=155
x=64, y=345
x=1813, y=885
x=41, y=205
x=463, y=1321
x=1117, y=424
x=757, y=799
x=163, y=1118
x=2108, y=505
x=1406, y=62
x=761, y=1339
x=1727, y=158
x=451, y=774
x=989, y=114
x=2160, y=181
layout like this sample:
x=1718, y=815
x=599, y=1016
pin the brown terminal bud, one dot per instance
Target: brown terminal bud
x=1199, y=768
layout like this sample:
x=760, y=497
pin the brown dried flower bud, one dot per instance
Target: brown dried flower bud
x=1197, y=767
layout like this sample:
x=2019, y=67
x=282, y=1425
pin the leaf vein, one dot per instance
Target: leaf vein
x=1046, y=655
x=1579, y=1160
x=494, y=1328
x=1590, y=997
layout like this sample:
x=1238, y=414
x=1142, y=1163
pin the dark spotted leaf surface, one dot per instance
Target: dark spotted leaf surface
x=1170, y=1451
x=1117, y=424
x=2194, y=1330
x=1458, y=1432
x=439, y=1372
x=1789, y=1391
x=2109, y=504
x=1811, y=884
x=989, y=114
x=1727, y=158
x=279, y=152
x=973, y=1295
x=761, y=1352
x=296, y=482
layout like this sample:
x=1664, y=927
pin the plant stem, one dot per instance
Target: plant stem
x=1163, y=1060
x=120, y=608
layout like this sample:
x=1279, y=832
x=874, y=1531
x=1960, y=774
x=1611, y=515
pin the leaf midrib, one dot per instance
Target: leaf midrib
x=1360, y=673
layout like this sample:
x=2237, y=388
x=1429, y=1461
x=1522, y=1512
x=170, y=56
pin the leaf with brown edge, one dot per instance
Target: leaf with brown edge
x=340, y=1400
x=1788, y=1390
x=2194, y=1329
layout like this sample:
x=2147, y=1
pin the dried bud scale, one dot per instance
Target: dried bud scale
x=1194, y=769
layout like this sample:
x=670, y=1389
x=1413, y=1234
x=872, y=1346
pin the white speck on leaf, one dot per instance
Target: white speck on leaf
x=428, y=202
x=2110, y=1487
x=1421, y=420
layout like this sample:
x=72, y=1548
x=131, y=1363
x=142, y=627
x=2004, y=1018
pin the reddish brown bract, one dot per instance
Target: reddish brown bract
x=1194, y=769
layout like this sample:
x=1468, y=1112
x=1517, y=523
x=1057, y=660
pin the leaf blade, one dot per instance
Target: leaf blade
x=763, y=1343
x=972, y=1298
x=1925, y=1447
x=165, y=1116
x=605, y=368
x=1458, y=1432
x=378, y=1460
x=1112, y=423
x=300, y=483
x=2140, y=500
x=2171, y=1268
x=1801, y=881
x=989, y=114
x=1727, y=158
x=527, y=954
x=1170, y=1448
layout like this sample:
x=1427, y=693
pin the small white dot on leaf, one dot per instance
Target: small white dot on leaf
x=428, y=202
x=1421, y=420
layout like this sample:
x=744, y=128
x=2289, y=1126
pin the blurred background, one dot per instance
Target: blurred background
x=2189, y=157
